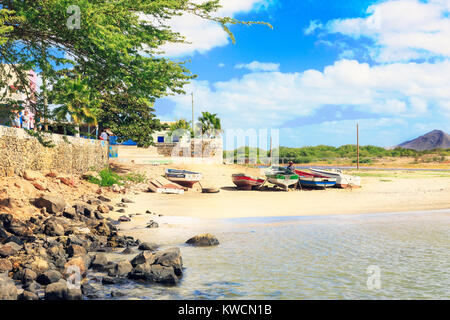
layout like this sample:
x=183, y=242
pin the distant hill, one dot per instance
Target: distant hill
x=435, y=139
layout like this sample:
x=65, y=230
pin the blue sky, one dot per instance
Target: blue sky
x=325, y=66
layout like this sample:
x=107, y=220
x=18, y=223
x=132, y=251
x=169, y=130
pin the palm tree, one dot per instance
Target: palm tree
x=75, y=98
x=209, y=124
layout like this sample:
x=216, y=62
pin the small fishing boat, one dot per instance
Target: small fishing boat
x=246, y=182
x=311, y=179
x=342, y=180
x=281, y=177
x=183, y=177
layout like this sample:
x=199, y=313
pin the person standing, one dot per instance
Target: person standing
x=291, y=167
x=104, y=136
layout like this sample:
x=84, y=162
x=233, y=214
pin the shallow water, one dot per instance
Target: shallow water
x=306, y=257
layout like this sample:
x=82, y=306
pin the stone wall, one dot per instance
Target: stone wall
x=211, y=149
x=20, y=151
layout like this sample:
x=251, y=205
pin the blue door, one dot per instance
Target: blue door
x=160, y=139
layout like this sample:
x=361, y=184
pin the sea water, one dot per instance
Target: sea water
x=372, y=256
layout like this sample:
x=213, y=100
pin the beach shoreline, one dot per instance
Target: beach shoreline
x=397, y=191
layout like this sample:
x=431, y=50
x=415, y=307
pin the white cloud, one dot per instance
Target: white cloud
x=221, y=65
x=260, y=99
x=402, y=30
x=259, y=66
x=205, y=35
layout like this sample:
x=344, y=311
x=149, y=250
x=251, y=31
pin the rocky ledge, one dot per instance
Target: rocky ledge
x=49, y=255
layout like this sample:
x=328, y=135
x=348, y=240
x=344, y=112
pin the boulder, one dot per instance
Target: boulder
x=7, y=250
x=28, y=296
x=170, y=258
x=74, y=294
x=127, y=200
x=128, y=250
x=53, y=204
x=100, y=262
x=27, y=276
x=104, y=199
x=124, y=219
x=8, y=290
x=94, y=202
x=148, y=246
x=103, y=208
x=143, y=257
x=98, y=215
x=52, y=228
x=121, y=269
x=39, y=265
x=5, y=265
x=75, y=250
x=48, y=277
x=154, y=273
x=56, y=291
x=152, y=224
x=31, y=175
x=203, y=240
x=121, y=210
x=70, y=213
x=81, y=262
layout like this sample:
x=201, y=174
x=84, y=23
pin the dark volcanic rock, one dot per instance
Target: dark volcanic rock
x=143, y=257
x=27, y=276
x=104, y=199
x=28, y=295
x=148, y=246
x=170, y=258
x=48, y=277
x=128, y=250
x=56, y=291
x=124, y=219
x=75, y=250
x=52, y=228
x=154, y=273
x=203, y=240
x=100, y=262
x=53, y=204
x=126, y=200
x=435, y=139
x=152, y=224
x=121, y=269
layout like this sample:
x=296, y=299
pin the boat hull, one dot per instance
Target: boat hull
x=184, y=178
x=312, y=179
x=283, y=181
x=245, y=182
x=342, y=180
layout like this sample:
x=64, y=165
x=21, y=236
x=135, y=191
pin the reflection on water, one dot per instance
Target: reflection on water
x=307, y=257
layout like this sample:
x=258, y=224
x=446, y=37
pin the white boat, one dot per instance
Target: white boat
x=281, y=177
x=342, y=180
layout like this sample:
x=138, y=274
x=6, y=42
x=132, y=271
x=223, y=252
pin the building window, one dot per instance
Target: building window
x=160, y=139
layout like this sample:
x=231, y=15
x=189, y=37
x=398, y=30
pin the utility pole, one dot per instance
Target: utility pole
x=270, y=163
x=357, y=146
x=192, y=95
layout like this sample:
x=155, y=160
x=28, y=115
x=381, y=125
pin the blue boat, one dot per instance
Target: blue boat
x=312, y=180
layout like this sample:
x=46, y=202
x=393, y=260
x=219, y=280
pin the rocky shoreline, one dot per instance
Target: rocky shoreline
x=49, y=255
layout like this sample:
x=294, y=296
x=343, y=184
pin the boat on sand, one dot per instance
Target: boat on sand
x=342, y=180
x=246, y=182
x=310, y=179
x=281, y=177
x=183, y=177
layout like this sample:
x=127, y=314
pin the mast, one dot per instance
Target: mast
x=357, y=146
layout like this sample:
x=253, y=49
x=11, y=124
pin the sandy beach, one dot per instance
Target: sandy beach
x=396, y=191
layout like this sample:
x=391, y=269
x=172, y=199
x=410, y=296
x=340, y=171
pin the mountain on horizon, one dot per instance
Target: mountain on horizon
x=436, y=139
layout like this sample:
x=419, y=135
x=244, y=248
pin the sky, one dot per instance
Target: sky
x=325, y=66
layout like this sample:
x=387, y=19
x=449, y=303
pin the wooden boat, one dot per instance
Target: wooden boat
x=342, y=180
x=183, y=177
x=314, y=180
x=281, y=177
x=246, y=182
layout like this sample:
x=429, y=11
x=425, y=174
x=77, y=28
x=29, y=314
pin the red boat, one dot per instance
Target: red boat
x=246, y=182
